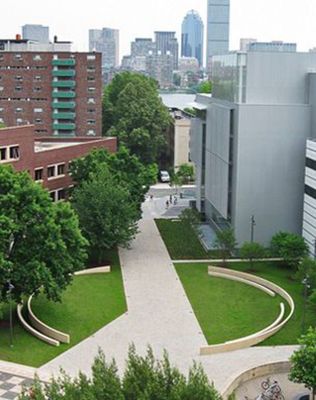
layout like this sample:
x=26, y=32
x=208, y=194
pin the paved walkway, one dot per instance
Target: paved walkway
x=159, y=314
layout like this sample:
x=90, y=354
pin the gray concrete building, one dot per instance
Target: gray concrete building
x=38, y=33
x=142, y=47
x=275, y=45
x=105, y=41
x=167, y=44
x=217, y=28
x=248, y=143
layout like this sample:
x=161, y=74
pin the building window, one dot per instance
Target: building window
x=91, y=78
x=91, y=89
x=14, y=152
x=18, y=57
x=91, y=132
x=61, y=194
x=1, y=88
x=2, y=120
x=52, y=195
x=19, y=78
x=91, y=110
x=38, y=121
x=91, y=122
x=1, y=109
x=310, y=163
x=51, y=171
x=61, y=169
x=91, y=57
x=38, y=110
x=19, y=121
x=18, y=88
x=39, y=174
x=91, y=69
x=37, y=78
x=3, y=153
x=18, y=109
x=37, y=57
x=37, y=89
x=91, y=100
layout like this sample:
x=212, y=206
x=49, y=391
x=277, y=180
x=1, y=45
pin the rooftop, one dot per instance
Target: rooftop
x=45, y=146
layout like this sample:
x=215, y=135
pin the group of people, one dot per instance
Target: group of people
x=172, y=200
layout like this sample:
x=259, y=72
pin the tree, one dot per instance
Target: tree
x=192, y=217
x=186, y=172
x=289, y=246
x=41, y=245
x=304, y=362
x=225, y=241
x=2, y=125
x=145, y=378
x=107, y=216
x=190, y=111
x=205, y=87
x=252, y=251
x=134, y=112
x=126, y=167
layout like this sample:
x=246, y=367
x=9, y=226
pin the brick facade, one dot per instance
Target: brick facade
x=26, y=91
x=35, y=154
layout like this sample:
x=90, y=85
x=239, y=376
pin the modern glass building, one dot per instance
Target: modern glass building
x=217, y=28
x=192, y=36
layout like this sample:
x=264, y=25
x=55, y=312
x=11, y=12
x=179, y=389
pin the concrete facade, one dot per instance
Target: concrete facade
x=105, y=41
x=38, y=33
x=250, y=159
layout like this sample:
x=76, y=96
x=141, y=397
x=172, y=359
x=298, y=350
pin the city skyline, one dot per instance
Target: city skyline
x=247, y=20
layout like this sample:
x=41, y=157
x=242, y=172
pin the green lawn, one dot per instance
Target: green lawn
x=228, y=310
x=182, y=242
x=91, y=302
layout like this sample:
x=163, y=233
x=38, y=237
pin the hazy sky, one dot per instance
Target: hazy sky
x=286, y=20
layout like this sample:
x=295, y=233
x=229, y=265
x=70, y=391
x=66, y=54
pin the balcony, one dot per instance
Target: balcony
x=64, y=72
x=64, y=126
x=63, y=104
x=63, y=115
x=65, y=84
x=64, y=62
x=63, y=95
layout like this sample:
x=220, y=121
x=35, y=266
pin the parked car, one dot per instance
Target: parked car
x=164, y=176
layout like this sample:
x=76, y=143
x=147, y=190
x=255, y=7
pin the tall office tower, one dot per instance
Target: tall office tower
x=217, y=28
x=244, y=43
x=192, y=37
x=105, y=41
x=57, y=90
x=167, y=43
x=142, y=47
x=39, y=33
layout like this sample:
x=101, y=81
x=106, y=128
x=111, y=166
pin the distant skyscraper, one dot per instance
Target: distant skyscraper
x=142, y=47
x=166, y=44
x=192, y=36
x=217, y=28
x=106, y=41
x=245, y=42
x=38, y=33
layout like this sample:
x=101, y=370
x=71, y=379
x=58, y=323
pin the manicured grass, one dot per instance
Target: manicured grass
x=182, y=242
x=91, y=302
x=228, y=310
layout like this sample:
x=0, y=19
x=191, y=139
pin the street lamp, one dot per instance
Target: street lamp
x=252, y=227
x=307, y=286
x=9, y=291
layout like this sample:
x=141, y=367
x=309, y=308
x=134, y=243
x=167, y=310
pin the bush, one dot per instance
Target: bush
x=145, y=378
x=252, y=251
x=289, y=246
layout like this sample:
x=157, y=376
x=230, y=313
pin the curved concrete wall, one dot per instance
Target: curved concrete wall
x=97, y=270
x=43, y=328
x=33, y=331
x=258, y=337
x=257, y=372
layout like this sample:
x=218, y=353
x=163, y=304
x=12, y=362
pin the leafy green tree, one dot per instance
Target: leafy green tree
x=304, y=362
x=107, y=215
x=205, y=87
x=145, y=378
x=191, y=111
x=191, y=216
x=252, y=251
x=176, y=181
x=134, y=112
x=2, y=125
x=126, y=167
x=226, y=242
x=186, y=172
x=40, y=242
x=289, y=246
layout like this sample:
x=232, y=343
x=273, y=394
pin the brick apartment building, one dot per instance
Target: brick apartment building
x=47, y=159
x=60, y=92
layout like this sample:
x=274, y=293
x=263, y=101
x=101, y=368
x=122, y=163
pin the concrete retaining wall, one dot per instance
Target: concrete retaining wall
x=257, y=372
x=97, y=270
x=258, y=337
x=43, y=328
x=33, y=331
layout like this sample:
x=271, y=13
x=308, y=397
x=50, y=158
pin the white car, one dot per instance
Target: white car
x=164, y=176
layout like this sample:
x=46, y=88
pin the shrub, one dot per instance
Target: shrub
x=289, y=246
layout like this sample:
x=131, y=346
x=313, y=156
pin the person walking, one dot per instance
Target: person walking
x=167, y=204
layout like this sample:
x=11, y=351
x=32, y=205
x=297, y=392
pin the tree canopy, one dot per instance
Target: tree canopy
x=134, y=112
x=304, y=362
x=226, y=242
x=144, y=378
x=107, y=215
x=40, y=242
